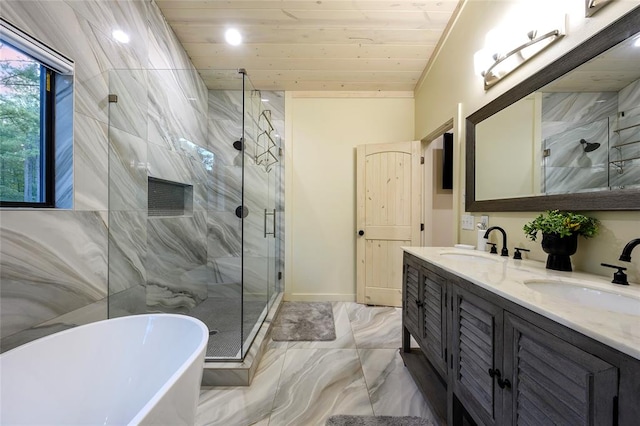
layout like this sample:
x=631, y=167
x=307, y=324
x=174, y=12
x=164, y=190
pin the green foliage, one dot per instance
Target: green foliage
x=561, y=223
x=19, y=126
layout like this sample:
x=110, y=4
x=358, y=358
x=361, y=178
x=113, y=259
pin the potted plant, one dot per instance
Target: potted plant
x=560, y=232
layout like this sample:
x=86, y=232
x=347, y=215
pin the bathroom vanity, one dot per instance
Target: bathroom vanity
x=504, y=341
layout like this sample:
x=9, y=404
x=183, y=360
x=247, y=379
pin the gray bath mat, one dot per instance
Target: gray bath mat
x=377, y=421
x=304, y=321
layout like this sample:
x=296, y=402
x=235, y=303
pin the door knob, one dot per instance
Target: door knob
x=361, y=232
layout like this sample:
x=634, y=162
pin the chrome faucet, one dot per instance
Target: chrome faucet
x=504, y=251
x=626, y=251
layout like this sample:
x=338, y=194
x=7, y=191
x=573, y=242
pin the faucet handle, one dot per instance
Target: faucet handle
x=517, y=254
x=493, y=250
x=619, y=277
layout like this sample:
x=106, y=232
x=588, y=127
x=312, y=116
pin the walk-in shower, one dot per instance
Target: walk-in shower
x=195, y=200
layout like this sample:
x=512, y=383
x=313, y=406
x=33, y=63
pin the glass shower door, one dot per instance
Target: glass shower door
x=257, y=222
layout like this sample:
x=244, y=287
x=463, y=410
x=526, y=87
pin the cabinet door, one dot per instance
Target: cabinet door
x=477, y=352
x=434, y=331
x=552, y=381
x=411, y=298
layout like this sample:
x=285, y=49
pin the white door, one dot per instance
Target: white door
x=389, y=200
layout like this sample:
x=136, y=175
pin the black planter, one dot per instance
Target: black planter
x=559, y=250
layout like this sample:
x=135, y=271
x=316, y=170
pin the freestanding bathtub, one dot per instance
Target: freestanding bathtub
x=141, y=369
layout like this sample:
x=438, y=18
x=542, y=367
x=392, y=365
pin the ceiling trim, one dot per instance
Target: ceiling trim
x=445, y=35
x=352, y=94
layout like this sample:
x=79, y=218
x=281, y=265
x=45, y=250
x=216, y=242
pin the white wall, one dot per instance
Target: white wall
x=323, y=131
x=450, y=81
x=504, y=135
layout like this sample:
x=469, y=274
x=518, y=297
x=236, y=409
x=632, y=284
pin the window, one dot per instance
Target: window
x=26, y=129
x=28, y=72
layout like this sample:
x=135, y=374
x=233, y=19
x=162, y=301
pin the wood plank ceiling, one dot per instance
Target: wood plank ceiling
x=350, y=45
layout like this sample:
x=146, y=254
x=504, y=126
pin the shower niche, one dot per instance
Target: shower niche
x=167, y=198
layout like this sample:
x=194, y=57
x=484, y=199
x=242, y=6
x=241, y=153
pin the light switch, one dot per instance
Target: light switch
x=467, y=222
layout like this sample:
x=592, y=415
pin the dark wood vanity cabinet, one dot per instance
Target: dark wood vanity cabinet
x=507, y=365
x=411, y=298
x=508, y=371
x=477, y=354
x=425, y=314
x=552, y=381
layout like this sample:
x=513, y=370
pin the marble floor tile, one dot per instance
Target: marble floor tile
x=243, y=405
x=376, y=327
x=344, y=334
x=318, y=383
x=303, y=383
x=391, y=387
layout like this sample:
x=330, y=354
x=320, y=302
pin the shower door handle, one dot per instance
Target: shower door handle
x=268, y=213
x=274, y=223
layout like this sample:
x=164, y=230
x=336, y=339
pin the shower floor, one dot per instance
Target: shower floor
x=222, y=315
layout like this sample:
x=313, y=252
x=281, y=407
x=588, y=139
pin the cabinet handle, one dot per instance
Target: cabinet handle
x=504, y=383
x=419, y=303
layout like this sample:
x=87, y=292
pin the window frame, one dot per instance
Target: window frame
x=47, y=138
x=52, y=65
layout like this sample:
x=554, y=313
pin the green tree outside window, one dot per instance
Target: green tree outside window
x=20, y=126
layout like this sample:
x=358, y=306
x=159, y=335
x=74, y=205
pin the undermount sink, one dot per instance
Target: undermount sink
x=468, y=257
x=587, y=296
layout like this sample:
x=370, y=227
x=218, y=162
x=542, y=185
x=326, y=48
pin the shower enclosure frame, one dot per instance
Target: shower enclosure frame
x=202, y=260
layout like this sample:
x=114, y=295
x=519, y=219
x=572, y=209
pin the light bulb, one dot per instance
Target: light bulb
x=233, y=37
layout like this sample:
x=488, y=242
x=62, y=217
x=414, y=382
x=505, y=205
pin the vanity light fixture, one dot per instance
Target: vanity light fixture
x=492, y=63
x=591, y=7
x=120, y=36
x=233, y=37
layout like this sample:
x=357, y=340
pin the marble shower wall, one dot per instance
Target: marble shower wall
x=53, y=262
x=611, y=119
x=231, y=257
x=624, y=172
x=59, y=267
x=568, y=118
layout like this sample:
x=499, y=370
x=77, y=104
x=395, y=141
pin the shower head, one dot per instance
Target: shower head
x=588, y=146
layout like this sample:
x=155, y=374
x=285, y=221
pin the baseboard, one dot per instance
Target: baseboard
x=319, y=297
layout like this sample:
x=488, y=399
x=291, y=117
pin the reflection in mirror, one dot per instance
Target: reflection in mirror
x=577, y=134
x=510, y=138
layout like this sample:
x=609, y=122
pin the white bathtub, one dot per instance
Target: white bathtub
x=141, y=369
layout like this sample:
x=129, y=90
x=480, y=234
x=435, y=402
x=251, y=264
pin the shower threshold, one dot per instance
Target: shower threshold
x=227, y=321
x=241, y=372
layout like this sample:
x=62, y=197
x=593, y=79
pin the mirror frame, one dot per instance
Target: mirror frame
x=618, y=199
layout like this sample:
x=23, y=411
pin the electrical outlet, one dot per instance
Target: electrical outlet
x=484, y=221
x=467, y=222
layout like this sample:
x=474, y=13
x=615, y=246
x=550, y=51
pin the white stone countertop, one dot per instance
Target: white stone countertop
x=506, y=277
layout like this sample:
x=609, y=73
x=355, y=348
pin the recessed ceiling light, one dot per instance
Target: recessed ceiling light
x=121, y=36
x=264, y=100
x=233, y=37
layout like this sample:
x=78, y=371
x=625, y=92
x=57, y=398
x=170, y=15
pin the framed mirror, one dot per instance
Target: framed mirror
x=568, y=137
